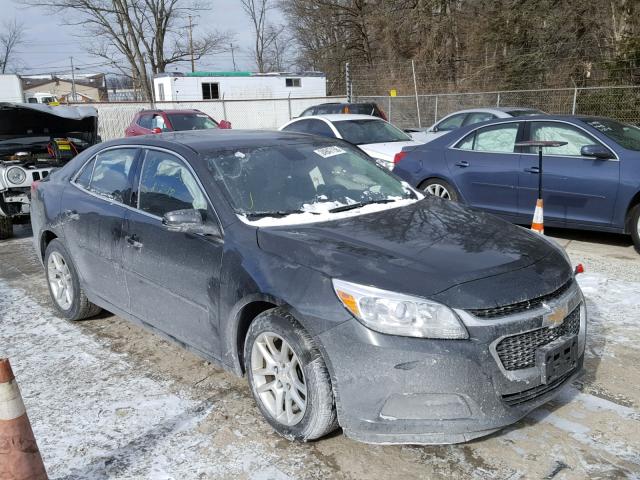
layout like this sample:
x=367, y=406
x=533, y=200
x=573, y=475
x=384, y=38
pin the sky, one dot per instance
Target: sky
x=50, y=44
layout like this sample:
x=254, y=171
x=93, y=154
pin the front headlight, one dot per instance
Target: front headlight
x=399, y=314
x=16, y=175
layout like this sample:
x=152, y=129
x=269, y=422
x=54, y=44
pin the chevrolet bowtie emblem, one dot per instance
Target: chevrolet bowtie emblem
x=556, y=316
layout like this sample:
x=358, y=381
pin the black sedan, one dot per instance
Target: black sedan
x=345, y=296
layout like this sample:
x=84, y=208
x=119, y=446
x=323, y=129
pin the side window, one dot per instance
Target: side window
x=145, y=121
x=84, y=179
x=478, y=117
x=110, y=177
x=451, y=123
x=318, y=127
x=307, y=112
x=498, y=138
x=328, y=109
x=467, y=142
x=301, y=127
x=574, y=137
x=166, y=184
x=157, y=121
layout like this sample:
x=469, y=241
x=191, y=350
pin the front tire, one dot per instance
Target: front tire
x=68, y=297
x=288, y=377
x=635, y=227
x=6, y=227
x=439, y=188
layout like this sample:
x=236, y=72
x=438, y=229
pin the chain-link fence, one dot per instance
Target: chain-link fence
x=409, y=111
x=113, y=118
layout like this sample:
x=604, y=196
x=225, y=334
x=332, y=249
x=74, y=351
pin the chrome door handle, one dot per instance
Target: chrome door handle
x=532, y=170
x=463, y=164
x=132, y=241
x=71, y=214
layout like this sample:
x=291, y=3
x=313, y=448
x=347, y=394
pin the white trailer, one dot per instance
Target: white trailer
x=198, y=86
x=11, y=89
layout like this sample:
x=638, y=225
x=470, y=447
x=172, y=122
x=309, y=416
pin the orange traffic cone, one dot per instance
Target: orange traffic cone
x=538, y=218
x=19, y=455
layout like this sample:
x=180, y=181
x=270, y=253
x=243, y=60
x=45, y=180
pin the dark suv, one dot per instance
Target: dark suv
x=357, y=108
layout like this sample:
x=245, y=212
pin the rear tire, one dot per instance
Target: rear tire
x=6, y=227
x=439, y=188
x=635, y=227
x=301, y=371
x=64, y=278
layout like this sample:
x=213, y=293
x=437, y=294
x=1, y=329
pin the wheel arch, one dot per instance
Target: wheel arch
x=442, y=178
x=635, y=201
x=45, y=239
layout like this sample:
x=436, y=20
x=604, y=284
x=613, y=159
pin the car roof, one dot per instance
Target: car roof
x=173, y=110
x=493, y=110
x=344, y=103
x=210, y=139
x=340, y=117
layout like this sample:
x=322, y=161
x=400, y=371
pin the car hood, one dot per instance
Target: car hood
x=386, y=151
x=432, y=248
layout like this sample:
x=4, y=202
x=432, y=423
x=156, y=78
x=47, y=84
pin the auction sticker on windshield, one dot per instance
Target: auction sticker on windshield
x=327, y=152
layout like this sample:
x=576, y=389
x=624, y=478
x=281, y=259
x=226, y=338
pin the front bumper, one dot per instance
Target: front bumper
x=392, y=389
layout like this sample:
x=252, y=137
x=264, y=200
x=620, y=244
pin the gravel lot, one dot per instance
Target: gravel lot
x=109, y=400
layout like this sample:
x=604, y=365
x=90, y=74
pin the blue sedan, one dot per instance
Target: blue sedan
x=592, y=182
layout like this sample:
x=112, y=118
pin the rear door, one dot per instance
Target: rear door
x=484, y=166
x=577, y=190
x=93, y=209
x=173, y=277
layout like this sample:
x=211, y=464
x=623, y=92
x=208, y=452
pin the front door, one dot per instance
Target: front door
x=173, y=277
x=484, y=167
x=92, y=214
x=577, y=190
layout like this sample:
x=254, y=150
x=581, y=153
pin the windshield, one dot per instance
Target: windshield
x=360, y=132
x=626, y=135
x=191, y=121
x=308, y=177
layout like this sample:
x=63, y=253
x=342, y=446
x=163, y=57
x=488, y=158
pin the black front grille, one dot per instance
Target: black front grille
x=520, y=306
x=519, y=351
x=535, y=392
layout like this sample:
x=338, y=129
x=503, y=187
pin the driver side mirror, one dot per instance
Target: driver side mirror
x=188, y=221
x=433, y=129
x=596, y=151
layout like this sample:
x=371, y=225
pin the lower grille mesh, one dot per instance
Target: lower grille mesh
x=519, y=351
x=522, y=397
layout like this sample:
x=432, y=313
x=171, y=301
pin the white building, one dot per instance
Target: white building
x=194, y=86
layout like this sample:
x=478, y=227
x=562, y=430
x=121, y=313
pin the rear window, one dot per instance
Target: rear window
x=363, y=109
x=191, y=121
x=361, y=132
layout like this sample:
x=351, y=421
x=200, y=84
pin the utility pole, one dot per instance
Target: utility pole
x=233, y=57
x=193, y=62
x=73, y=82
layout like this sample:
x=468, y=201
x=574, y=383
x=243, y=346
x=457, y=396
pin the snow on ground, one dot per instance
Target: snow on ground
x=95, y=416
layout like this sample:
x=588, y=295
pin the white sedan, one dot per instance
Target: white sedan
x=376, y=137
x=462, y=118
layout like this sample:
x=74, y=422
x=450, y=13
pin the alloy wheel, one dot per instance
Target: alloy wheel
x=60, y=280
x=438, y=190
x=278, y=378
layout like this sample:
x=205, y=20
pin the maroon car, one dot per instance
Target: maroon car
x=158, y=121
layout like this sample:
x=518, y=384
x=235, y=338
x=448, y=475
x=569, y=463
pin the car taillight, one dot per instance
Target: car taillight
x=346, y=109
x=398, y=156
x=382, y=114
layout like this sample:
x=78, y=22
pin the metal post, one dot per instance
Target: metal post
x=224, y=108
x=73, y=81
x=193, y=62
x=389, y=109
x=289, y=102
x=575, y=98
x=415, y=88
x=347, y=79
x=540, y=172
x=498, y=101
x=435, y=113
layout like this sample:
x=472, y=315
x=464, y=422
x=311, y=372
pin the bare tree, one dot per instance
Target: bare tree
x=265, y=34
x=147, y=34
x=11, y=36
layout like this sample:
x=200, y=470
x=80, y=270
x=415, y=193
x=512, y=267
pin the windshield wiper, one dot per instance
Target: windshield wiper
x=274, y=213
x=352, y=206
